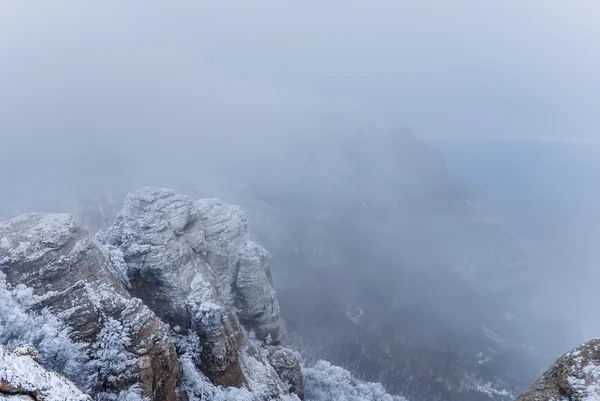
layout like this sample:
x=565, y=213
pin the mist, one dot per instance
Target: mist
x=319, y=119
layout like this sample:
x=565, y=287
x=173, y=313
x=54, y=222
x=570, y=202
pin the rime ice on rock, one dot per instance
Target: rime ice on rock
x=575, y=376
x=193, y=264
x=162, y=239
x=68, y=275
x=22, y=376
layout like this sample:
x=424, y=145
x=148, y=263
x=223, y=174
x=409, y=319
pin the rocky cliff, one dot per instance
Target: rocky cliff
x=69, y=275
x=172, y=301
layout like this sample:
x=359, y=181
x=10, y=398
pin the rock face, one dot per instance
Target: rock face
x=193, y=264
x=575, y=376
x=171, y=303
x=242, y=268
x=286, y=364
x=162, y=240
x=71, y=276
x=22, y=378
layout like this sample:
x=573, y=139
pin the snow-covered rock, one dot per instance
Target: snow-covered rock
x=575, y=376
x=193, y=264
x=255, y=298
x=23, y=378
x=51, y=266
x=162, y=239
x=286, y=364
x=242, y=267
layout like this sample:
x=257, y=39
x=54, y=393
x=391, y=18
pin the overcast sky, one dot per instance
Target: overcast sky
x=508, y=70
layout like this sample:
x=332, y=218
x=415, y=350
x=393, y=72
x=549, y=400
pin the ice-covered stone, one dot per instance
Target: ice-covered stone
x=23, y=378
x=163, y=242
x=287, y=365
x=70, y=275
x=255, y=297
x=189, y=264
x=194, y=265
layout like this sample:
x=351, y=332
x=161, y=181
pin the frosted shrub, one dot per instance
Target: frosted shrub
x=113, y=361
x=20, y=326
x=327, y=382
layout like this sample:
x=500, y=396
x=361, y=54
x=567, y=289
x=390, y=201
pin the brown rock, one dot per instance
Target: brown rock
x=72, y=276
x=22, y=378
x=575, y=376
x=287, y=365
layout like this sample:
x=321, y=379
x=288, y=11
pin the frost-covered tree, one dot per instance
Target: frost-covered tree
x=21, y=326
x=326, y=382
x=113, y=360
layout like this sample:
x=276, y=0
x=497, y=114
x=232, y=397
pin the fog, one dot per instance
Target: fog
x=298, y=112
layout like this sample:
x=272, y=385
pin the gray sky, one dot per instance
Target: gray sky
x=505, y=70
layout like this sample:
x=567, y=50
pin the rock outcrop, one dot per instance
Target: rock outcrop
x=163, y=245
x=194, y=265
x=575, y=376
x=242, y=267
x=287, y=366
x=72, y=277
x=22, y=378
x=172, y=302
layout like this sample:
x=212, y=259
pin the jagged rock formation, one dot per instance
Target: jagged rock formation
x=188, y=264
x=575, y=376
x=22, y=378
x=193, y=264
x=162, y=240
x=244, y=276
x=71, y=276
x=285, y=362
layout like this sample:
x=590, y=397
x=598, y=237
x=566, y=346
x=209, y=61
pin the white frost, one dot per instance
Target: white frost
x=20, y=372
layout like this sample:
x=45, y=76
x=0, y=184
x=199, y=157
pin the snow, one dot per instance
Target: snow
x=494, y=337
x=586, y=385
x=45, y=232
x=327, y=382
x=20, y=372
x=133, y=393
x=488, y=388
x=482, y=358
x=42, y=330
x=204, y=230
x=198, y=386
x=354, y=313
x=114, y=363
